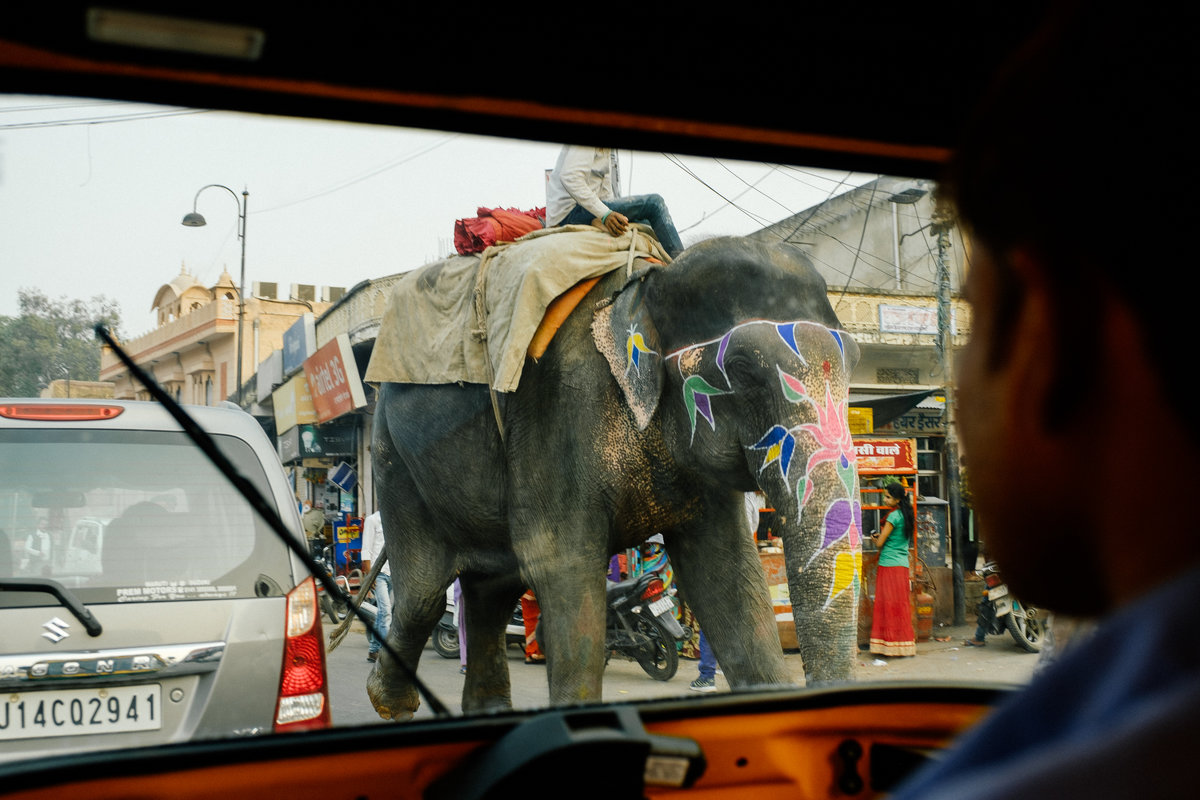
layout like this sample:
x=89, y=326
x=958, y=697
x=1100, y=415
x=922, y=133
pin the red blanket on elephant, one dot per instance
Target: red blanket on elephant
x=476, y=234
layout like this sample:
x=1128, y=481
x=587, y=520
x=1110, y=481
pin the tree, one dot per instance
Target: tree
x=51, y=340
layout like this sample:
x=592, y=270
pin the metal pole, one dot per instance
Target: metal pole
x=241, y=342
x=896, y=242
x=943, y=221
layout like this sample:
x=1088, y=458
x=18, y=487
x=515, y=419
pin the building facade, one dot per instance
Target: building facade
x=193, y=352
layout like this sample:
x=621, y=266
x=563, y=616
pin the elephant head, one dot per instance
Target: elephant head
x=736, y=349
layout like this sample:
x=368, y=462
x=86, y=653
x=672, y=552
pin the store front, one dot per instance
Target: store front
x=319, y=439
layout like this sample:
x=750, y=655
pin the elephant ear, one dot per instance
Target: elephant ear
x=625, y=334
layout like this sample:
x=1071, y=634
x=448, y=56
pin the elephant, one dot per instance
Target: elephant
x=664, y=398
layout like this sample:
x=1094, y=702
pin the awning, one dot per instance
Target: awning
x=887, y=407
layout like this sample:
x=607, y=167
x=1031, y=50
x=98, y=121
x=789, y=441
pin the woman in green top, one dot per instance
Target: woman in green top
x=891, y=626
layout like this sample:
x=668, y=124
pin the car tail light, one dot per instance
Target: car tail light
x=303, y=685
x=59, y=412
x=653, y=589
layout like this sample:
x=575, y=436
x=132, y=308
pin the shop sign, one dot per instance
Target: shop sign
x=886, y=456
x=340, y=438
x=919, y=423
x=910, y=319
x=293, y=404
x=861, y=420
x=344, y=477
x=333, y=379
x=269, y=375
x=299, y=342
x=302, y=441
x=311, y=442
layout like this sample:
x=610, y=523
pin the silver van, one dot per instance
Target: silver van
x=142, y=599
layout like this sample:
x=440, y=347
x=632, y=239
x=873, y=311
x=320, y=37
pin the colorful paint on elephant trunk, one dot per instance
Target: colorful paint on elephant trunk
x=817, y=436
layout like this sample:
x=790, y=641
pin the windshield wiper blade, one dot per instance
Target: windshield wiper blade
x=201, y=439
x=64, y=596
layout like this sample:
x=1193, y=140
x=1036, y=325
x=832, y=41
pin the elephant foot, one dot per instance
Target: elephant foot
x=393, y=699
x=486, y=704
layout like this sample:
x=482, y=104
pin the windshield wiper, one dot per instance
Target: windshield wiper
x=265, y=510
x=68, y=600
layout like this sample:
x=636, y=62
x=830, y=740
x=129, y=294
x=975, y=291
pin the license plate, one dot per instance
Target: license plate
x=998, y=592
x=661, y=606
x=76, y=712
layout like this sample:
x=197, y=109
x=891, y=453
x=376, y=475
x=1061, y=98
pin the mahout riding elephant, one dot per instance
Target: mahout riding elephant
x=662, y=399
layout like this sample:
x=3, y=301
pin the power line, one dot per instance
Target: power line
x=362, y=177
x=134, y=117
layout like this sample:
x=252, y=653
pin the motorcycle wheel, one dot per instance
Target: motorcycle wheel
x=445, y=641
x=663, y=662
x=336, y=610
x=1027, y=626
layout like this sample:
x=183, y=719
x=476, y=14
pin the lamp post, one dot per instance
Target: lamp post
x=195, y=220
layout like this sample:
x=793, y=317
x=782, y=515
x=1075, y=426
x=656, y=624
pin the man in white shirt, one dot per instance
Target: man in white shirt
x=372, y=548
x=580, y=192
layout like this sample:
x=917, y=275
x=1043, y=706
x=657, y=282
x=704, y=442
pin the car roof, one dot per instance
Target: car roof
x=773, y=81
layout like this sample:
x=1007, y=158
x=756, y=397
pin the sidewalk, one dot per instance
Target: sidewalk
x=1001, y=661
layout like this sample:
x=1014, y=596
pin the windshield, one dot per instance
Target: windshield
x=774, y=440
x=131, y=517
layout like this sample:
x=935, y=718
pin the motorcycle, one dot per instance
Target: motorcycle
x=1001, y=611
x=641, y=626
x=347, y=580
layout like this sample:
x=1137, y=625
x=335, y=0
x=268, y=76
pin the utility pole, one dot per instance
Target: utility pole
x=943, y=222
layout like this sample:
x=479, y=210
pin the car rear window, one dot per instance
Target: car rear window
x=132, y=516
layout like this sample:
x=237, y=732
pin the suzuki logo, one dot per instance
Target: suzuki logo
x=56, y=630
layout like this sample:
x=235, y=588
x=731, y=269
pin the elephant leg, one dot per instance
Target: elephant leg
x=568, y=580
x=422, y=570
x=489, y=603
x=720, y=575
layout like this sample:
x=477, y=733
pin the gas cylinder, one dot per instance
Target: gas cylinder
x=924, y=615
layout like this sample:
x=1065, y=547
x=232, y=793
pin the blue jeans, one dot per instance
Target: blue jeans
x=383, y=612
x=708, y=661
x=649, y=209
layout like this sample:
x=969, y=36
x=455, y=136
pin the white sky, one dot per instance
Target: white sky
x=90, y=207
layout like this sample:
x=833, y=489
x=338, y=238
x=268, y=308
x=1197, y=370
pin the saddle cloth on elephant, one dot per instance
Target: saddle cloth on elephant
x=472, y=319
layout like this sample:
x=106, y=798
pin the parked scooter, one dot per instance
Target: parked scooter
x=1001, y=611
x=641, y=626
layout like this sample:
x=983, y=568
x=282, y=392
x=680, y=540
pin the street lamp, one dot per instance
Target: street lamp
x=196, y=220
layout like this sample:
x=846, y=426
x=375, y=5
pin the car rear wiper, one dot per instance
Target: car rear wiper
x=68, y=600
x=206, y=444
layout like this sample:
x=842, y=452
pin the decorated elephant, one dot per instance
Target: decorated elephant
x=665, y=396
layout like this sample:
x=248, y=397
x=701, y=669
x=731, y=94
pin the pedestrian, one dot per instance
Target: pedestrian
x=38, y=550
x=706, y=680
x=580, y=192
x=460, y=616
x=314, y=523
x=1076, y=367
x=891, y=625
x=372, y=548
x=530, y=612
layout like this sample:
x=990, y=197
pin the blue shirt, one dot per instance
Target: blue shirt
x=1118, y=716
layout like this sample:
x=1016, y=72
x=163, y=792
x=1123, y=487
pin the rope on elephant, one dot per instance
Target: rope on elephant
x=480, y=331
x=339, y=633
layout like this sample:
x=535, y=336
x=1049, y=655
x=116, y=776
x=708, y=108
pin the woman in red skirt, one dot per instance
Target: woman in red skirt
x=891, y=627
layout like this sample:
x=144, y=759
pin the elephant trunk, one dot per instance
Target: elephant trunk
x=819, y=521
